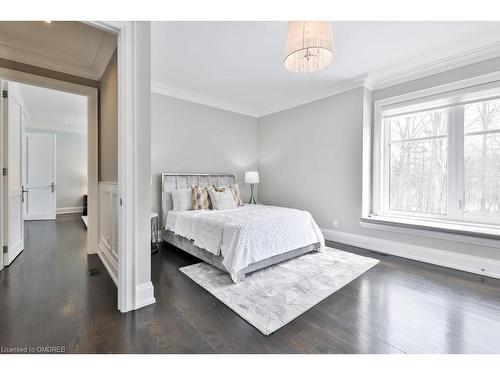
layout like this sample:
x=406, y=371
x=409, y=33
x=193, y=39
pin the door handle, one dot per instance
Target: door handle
x=23, y=190
x=52, y=187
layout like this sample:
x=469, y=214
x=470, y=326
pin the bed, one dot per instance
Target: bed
x=240, y=240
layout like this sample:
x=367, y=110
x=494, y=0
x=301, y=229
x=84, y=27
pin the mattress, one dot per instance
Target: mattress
x=248, y=234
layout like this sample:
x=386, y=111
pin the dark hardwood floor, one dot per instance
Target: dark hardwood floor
x=48, y=298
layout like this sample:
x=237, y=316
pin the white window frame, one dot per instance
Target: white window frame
x=466, y=91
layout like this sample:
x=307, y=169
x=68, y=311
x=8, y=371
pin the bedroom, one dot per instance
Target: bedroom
x=310, y=140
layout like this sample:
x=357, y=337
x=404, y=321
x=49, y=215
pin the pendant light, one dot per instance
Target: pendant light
x=309, y=46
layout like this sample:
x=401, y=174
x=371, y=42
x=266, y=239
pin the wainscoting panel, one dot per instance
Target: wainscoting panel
x=108, y=227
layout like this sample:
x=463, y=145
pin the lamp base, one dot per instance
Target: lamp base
x=252, y=199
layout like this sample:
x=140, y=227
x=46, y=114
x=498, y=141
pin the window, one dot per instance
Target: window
x=482, y=159
x=440, y=158
x=417, y=156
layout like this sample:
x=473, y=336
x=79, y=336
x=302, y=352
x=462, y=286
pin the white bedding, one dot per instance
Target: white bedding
x=246, y=234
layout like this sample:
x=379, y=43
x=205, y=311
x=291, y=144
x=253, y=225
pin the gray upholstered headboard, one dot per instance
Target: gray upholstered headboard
x=173, y=181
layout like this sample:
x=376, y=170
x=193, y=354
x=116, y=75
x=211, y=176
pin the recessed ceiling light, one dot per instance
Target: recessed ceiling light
x=66, y=122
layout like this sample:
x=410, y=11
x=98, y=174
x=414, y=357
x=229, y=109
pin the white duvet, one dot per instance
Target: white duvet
x=246, y=234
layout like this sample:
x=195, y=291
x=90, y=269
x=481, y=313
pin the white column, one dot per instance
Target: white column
x=134, y=87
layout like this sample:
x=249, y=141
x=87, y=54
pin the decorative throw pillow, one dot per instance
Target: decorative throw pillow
x=181, y=199
x=222, y=200
x=235, y=190
x=200, y=200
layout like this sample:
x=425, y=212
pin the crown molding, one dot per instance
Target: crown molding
x=90, y=64
x=469, y=57
x=85, y=60
x=344, y=86
x=104, y=53
x=356, y=82
x=34, y=55
x=167, y=90
x=370, y=81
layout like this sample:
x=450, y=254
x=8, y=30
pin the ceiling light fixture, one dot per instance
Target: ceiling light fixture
x=309, y=46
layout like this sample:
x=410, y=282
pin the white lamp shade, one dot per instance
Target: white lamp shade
x=252, y=177
x=309, y=46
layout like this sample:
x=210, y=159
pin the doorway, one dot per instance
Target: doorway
x=30, y=141
x=135, y=289
x=54, y=153
x=54, y=149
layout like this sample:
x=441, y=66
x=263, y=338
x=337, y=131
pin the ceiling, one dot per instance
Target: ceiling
x=69, y=47
x=54, y=110
x=238, y=66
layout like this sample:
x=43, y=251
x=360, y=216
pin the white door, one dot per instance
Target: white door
x=13, y=224
x=40, y=188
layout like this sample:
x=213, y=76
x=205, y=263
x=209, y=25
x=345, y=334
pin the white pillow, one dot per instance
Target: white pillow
x=222, y=200
x=181, y=199
x=175, y=201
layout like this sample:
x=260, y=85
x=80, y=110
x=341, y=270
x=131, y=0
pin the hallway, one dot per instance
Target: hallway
x=47, y=297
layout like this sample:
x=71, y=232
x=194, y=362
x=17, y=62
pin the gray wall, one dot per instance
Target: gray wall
x=108, y=123
x=310, y=157
x=71, y=167
x=189, y=137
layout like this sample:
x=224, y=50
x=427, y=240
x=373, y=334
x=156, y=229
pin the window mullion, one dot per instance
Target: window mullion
x=455, y=163
x=385, y=165
x=459, y=163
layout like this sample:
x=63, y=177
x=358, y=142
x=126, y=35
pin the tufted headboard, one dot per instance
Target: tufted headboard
x=173, y=181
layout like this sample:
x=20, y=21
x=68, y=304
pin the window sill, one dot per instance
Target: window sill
x=478, y=234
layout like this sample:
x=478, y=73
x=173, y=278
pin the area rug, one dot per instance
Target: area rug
x=270, y=298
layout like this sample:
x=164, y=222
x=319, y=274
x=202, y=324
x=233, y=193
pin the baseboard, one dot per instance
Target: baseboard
x=144, y=295
x=109, y=263
x=68, y=210
x=462, y=262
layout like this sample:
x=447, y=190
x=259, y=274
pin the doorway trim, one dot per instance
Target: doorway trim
x=135, y=289
x=92, y=143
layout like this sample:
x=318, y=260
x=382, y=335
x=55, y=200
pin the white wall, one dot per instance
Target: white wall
x=190, y=137
x=310, y=157
x=71, y=167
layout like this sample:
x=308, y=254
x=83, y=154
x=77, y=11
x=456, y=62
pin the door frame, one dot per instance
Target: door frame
x=92, y=140
x=13, y=91
x=135, y=289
